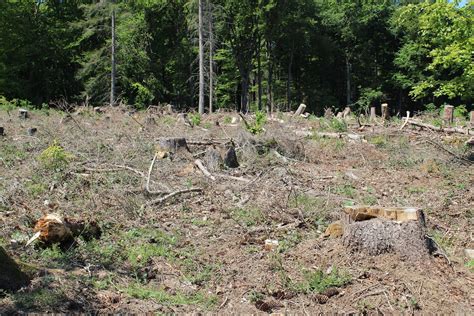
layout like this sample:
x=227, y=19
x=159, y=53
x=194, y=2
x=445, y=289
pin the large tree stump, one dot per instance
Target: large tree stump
x=230, y=158
x=376, y=230
x=11, y=276
x=213, y=159
x=2, y=131
x=300, y=109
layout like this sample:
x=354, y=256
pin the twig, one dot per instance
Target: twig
x=147, y=186
x=223, y=303
x=203, y=169
x=245, y=121
x=233, y=178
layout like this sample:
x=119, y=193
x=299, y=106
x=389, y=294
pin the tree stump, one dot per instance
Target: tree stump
x=32, y=131
x=385, y=111
x=448, y=114
x=373, y=115
x=300, y=109
x=168, y=147
x=2, y=131
x=213, y=159
x=376, y=230
x=11, y=276
x=230, y=158
x=23, y=114
x=471, y=119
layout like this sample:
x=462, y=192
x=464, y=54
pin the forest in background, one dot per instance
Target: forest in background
x=257, y=54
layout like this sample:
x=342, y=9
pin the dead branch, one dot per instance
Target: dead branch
x=203, y=169
x=464, y=160
x=406, y=120
x=168, y=196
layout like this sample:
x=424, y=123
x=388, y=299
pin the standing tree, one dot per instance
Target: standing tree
x=201, y=58
x=113, y=70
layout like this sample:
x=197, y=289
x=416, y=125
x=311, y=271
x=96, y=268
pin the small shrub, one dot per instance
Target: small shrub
x=227, y=120
x=460, y=111
x=55, y=157
x=248, y=217
x=256, y=127
x=318, y=281
x=430, y=107
x=379, y=141
x=195, y=118
x=144, y=97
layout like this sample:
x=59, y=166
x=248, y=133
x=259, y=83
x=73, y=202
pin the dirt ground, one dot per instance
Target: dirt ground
x=204, y=251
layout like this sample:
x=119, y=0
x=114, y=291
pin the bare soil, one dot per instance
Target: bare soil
x=204, y=251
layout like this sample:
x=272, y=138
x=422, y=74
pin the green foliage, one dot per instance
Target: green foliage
x=256, y=127
x=162, y=296
x=318, y=281
x=195, y=118
x=144, y=97
x=460, y=111
x=248, y=217
x=55, y=157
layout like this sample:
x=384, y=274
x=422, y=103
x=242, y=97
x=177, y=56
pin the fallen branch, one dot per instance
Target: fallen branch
x=203, y=169
x=168, y=196
x=114, y=168
x=442, y=129
x=406, y=120
x=233, y=178
x=429, y=141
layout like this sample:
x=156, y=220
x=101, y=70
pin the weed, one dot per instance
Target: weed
x=256, y=127
x=470, y=265
x=369, y=200
x=161, y=296
x=347, y=190
x=318, y=281
x=227, y=120
x=55, y=157
x=41, y=298
x=416, y=190
x=207, y=125
x=10, y=153
x=379, y=141
x=338, y=125
x=195, y=118
x=255, y=296
x=289, y=242
x=460, y=111
x=248, y=217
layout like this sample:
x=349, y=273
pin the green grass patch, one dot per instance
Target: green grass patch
x=318, y=281
x=161, y=296
x=40, y=299
x=248, y=217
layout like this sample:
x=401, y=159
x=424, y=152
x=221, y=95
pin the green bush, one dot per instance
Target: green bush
x=55, y=157
x=256, y=127
x=195, y=118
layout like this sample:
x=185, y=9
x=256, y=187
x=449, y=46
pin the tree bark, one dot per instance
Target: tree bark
x=259, y=74
x=244, y=92
x=201, y=61
x=288, y=82
x=348, y=81
x=11, y=276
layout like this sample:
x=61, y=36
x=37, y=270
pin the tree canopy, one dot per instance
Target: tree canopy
x=271, y=54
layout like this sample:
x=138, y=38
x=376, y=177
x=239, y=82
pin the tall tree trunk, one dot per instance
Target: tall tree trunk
x=259, y=73
x=201, y=61
x=244, y=92
x=270, y=80
x=211, y=60
x=348, y=81
x=113, y=70
x=11, y=277
x=288, y=82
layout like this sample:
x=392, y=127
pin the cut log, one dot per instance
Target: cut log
x=230, y=158
x=203, y=169
x=373, y=115
x=385, y=111
x=448, y=114
x=300, y=110
x=442, y=129
x=11, y=276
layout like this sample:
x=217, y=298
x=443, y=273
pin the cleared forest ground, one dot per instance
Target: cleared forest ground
x=204, y=251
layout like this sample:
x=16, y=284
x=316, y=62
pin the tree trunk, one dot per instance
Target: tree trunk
x=201, y=61
x=211, y=61
x=270, y=82
x=113, y=70
x=259, y=74
x=288, y=83
x=244, y=92
x=348, y=81
x=11, y=277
